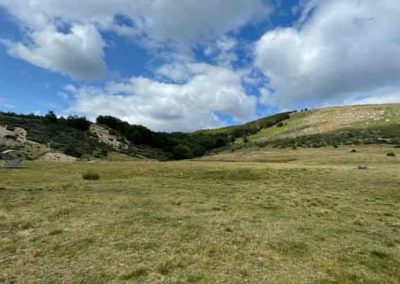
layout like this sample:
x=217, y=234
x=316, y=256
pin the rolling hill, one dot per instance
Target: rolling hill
x=363, y=124
x=48, y=137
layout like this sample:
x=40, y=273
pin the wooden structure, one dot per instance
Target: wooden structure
x=13, y=159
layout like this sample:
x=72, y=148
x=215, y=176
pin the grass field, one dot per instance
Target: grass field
x=266, y=216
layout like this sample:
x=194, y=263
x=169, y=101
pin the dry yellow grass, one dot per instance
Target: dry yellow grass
x=306, y=216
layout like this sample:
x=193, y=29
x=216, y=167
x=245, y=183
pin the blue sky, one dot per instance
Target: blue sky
x=188, y=64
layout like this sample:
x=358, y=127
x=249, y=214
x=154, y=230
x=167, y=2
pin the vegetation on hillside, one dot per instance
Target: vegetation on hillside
x=252, y=127
x=315, y=128
x=68, y=135
x=71, y=136
x=176, y=145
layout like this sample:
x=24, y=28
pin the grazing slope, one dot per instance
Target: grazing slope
x=282, y=216
x=330, y=120
x=349, y=125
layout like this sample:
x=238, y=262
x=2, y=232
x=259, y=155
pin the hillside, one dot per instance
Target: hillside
x=42, y=139
x=46, y=137
x=365, y=124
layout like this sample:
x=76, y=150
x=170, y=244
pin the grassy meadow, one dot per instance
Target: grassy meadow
x=252, y=216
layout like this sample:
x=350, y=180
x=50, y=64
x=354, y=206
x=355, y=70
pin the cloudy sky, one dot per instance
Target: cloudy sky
x=188, y=64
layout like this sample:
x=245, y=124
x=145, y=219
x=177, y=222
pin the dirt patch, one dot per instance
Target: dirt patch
x=57, y=157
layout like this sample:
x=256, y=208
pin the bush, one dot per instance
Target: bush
x=363, y=167
x=90, y=176
x=182, y=152
x=353, y=151
x=51, y=117
x=73, y=150
x=391, y=154
x=80, y=123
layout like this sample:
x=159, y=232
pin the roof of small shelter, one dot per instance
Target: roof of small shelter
x=10, y=152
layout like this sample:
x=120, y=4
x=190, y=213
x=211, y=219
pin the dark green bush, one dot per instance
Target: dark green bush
x=182, y=152
x=72, y=150
x=90, y=176
x=51, y=117
x=80, y=123
x=391, y=154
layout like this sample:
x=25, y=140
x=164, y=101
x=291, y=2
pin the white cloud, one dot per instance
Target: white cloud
x=177, y=20
x=187, y=20
x=78, y=54
x=155, y=23
x=385, y=95
x=343, y=48
x=265, y=97
x=170, y=106
x=223, y=51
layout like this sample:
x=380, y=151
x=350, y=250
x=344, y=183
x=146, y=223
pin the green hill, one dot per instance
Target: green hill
x=77, y=137
x=365, y=124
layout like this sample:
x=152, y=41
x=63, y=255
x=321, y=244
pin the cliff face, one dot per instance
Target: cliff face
x=16, y=138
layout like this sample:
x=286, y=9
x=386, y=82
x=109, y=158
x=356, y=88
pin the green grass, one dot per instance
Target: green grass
x=295, y=120
x=385, y=119
x=266, y=216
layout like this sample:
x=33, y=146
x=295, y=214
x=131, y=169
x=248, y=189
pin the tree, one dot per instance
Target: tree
x=182, y=152
x=80, y=123
x=51, y=117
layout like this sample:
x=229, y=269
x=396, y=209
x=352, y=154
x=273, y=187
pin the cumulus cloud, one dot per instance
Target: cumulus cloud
x=78, y=54
x=194, y=104
x=384, y=95
x=340, y=48
x=187, y=20
x=155, y=23
x=176, y=20
x=223, y=51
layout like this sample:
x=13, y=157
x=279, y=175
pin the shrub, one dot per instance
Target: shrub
x=182, y=152
x=362, y=167
x=72, y=150
x=80, y=123
x=353, y=151
x=10, y=127
x=391, y=154
x=90, y=176
x=51, y=117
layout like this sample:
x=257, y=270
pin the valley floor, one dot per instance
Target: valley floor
x=265, y=216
